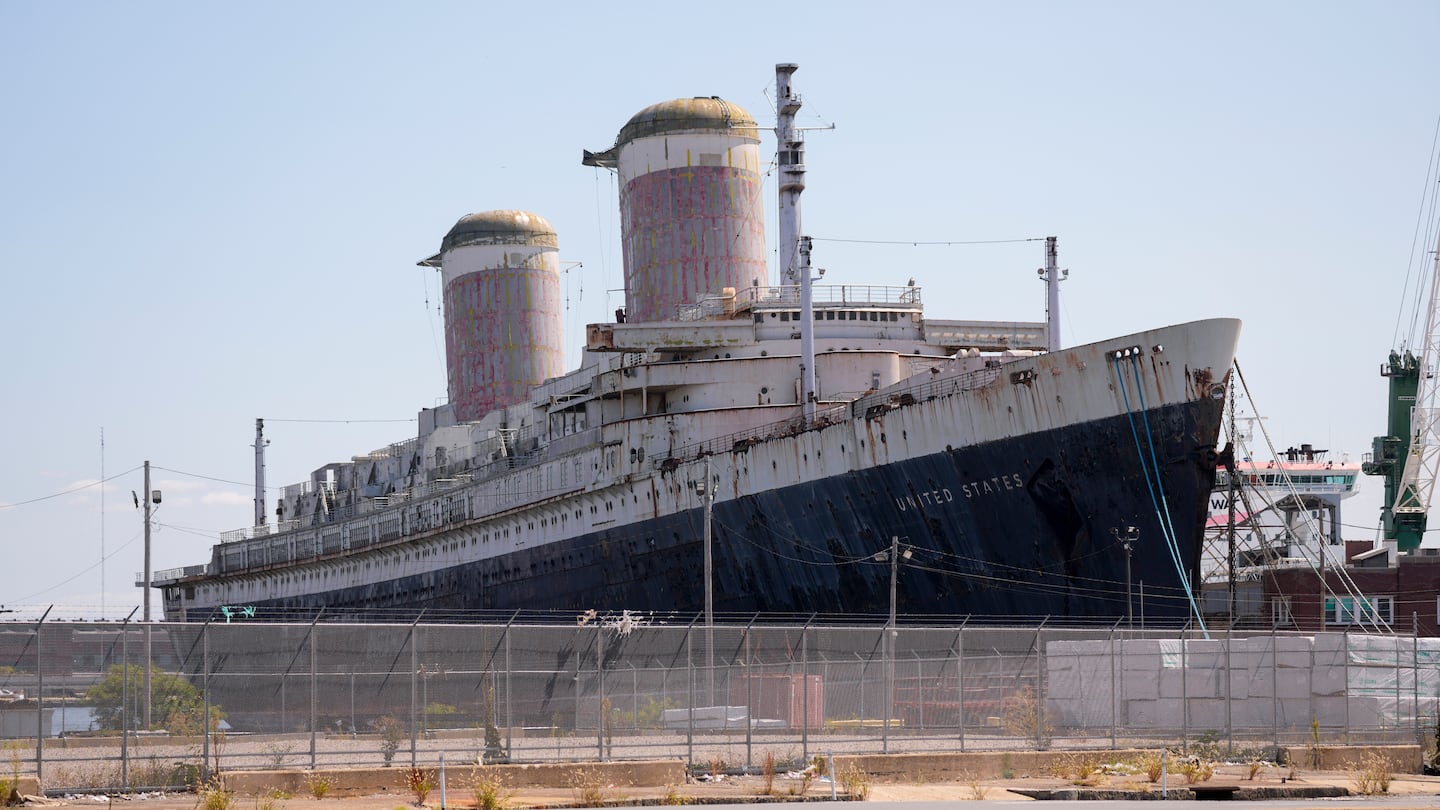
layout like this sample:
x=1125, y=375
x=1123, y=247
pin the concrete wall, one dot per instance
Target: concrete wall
x=368, y=781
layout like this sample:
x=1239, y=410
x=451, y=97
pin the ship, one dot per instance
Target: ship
x=742, y=446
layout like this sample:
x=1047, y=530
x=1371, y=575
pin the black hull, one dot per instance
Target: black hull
x=1013, y=528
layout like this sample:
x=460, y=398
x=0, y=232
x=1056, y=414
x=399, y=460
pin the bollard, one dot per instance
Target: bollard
x=1164, y=789
x=442, y=780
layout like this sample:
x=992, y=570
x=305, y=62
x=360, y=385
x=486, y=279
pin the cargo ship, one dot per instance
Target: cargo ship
x=736, y=445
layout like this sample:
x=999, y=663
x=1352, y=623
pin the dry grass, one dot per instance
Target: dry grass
x=1372, y=775
x=1152, y=765
x=1078, y=769
x=318, y=784
x=212, y=795
x=855, y=782
x=589, y=788
x=419, y=781
x=489, y=788
x=977, y=790
x=1195, y=770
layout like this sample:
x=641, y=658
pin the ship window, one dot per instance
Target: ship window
x=829, y=316
x=758, y=319
x=851, y=316
x=785, y=316
x=817, y=316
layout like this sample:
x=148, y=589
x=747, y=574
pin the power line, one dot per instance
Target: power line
x=915, y=243
x=70, y=491
x=338, y=421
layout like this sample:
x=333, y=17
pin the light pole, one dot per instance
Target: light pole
x=705, y=488
x=1127, y=537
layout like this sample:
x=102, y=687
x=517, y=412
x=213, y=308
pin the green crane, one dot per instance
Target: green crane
x=1389, y=452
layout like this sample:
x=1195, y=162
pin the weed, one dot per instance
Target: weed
x=1152, y=764
x=419, y=781
x=1006, y=771
x=489, y=788
x=277, y=752
x=855, y=781
x=717, y=767
x=589, y=788
x=1194, y=769
x=270, y=799
x=768, y=767
x=1023, y=715
x=672, y=797
x=1372, y=776
x=1255, y=766
x=318, y=784
x=977, y=790
x=9, y=783
x=212, y=795
x=1314, y=742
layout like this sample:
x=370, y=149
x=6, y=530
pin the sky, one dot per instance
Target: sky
x=211, y=213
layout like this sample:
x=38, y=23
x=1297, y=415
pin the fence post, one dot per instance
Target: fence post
x=600, y=680
x=205, y=701
x=1229, y=710
x=1040, y=686
x=411, y=639
x=509, y=724
x=887, y=655
x=125, y=699
x=1415, y=676
x=1345, y=647
x=805, y=695
x=749, y=697
x=1275, y=685
x=1185, y=688
x=314, y=694
x=960, y=679
x=1113, y=712
x=40, y=698
x=690, y=698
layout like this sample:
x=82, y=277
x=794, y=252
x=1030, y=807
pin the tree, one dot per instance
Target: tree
x=175, y=703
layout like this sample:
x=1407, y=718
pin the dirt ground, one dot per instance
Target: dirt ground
x=753, y=788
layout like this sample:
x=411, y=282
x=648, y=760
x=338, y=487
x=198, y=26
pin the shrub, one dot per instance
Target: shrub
x=391, y=733
x=419, y=781
x=1023, y=715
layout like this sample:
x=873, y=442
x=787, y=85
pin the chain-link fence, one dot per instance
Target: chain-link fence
x=80, y=711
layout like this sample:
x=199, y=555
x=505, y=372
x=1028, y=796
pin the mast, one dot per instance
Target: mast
x=260, y=472
x=794, y=257
x=1052, y=275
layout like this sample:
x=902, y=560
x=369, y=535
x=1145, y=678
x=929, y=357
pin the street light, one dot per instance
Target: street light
x=1127, y=536
x=894, y=555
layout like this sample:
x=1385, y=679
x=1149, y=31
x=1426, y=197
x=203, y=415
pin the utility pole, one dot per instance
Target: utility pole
x=706, y=490
x=888, y=648
x=1127, y=537
x=145, y=599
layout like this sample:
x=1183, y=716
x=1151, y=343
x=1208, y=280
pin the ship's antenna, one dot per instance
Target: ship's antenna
x=260, y=444
x=794, y=250
x=1052, y=275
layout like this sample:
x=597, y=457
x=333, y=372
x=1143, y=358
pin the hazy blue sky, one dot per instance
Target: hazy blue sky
x=212, y=212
